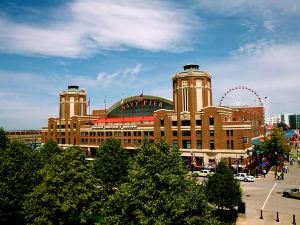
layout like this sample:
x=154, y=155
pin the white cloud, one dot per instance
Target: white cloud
x=136, y=69
x=35, y=96
x=119, y=78
x=270, y=69
x=270, y=25
x=101, y=76
x=266, y=7
x=270, y=14
x=89, y=26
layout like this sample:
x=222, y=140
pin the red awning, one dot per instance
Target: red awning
x=124, y=119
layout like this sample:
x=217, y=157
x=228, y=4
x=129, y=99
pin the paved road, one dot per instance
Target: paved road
x=256, y=197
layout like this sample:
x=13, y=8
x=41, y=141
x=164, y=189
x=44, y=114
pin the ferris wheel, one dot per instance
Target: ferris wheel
x=240, y=96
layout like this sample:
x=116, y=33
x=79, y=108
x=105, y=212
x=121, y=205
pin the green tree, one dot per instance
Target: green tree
x=68, y=192
x=49, y=149
x=111, y=164
x=18, y=166
x=283, y=126
x=275, y=143
x=222, y=189
x=3, y=139
x=158, y=191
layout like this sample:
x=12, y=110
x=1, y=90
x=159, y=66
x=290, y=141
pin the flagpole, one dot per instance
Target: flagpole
x=122, y=100
x=105, y=110
x=89, y=105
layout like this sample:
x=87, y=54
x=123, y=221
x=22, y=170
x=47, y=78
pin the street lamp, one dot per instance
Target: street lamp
x=192, y=162
x=276, y=156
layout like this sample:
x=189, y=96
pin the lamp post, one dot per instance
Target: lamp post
x=237, y=164
x=192, y=161
x=276, y=163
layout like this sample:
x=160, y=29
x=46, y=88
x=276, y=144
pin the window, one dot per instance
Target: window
x=108, y=134
x=186, y=144
x=84, y=133
x=229, y=132
x=186, y=133
x=174, y=123
x=174, y=133
x=232, y=147
x=199, y=133
x=127, y=133
x=198, y=122
x=212, y=133
x=162, y=133
x=212, y=145
x=228, y=145
x=185, y=96
x=185, y=123
x=117, y=133
x=211, y=121
x=162, y=122
x=175, y=144
x=199, y=144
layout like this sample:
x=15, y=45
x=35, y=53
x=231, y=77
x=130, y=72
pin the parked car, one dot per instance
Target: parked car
x=203, y=173
x=243, y=177
x=292, y=192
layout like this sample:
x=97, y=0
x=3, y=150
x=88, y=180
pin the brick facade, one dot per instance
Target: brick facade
x=203, y=132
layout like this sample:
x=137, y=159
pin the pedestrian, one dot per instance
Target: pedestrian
x=278, y=175
x=264, y=172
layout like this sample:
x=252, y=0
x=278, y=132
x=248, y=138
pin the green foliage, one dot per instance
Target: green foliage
x=18, y=166
x=294, y=155
x=3, y=139
x=67, y=194
x=283, y=126
x=158, y=191
x=49, y=149
x=222, y=189
x=111, y=164
x=275, y=143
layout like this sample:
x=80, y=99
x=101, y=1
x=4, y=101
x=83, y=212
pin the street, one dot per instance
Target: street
x=266, y=194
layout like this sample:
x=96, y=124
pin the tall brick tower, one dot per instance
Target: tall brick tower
x=72, y=102
x=191, y=93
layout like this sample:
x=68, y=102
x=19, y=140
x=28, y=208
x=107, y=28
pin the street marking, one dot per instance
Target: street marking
x=262, y=208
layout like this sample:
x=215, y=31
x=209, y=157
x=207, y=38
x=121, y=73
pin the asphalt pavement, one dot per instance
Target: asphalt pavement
x=266, y=194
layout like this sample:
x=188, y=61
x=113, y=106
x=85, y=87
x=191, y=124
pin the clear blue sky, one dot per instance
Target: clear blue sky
x=118, y=48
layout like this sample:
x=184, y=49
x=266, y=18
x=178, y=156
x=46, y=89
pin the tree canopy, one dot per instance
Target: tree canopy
x=158, y=191
x=275, y=143
x=222, y=189
x=18, y=167
x=68, y=192
x=3, y=139
x=111, y=164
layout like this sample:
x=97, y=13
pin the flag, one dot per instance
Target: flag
x=141, y=97
x=89, y=103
